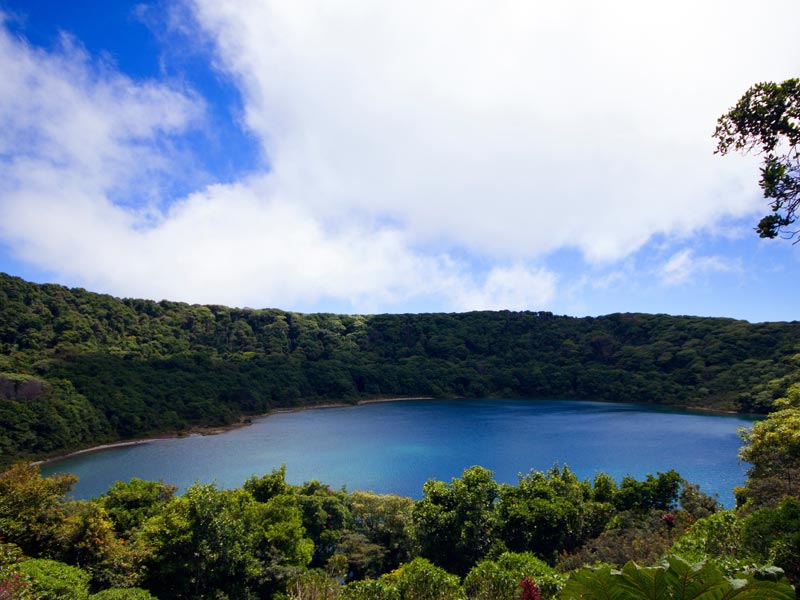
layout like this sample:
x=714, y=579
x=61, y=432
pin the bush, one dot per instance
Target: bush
x=123, y=594
x=53, y=580
x=500, y=579
x=421, y=580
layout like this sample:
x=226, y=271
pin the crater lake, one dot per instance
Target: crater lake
x=394, y=447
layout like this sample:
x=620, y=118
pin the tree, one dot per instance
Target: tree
x=765, y=120
x=211, y=541
x=313, y=585
x=267, y=486
x=773, y=535
x=129, y=505
x=659, y=493
x=325, y=515
x=550, y=512
x=383, y=521
x=456, y=522
x=772, y=447
x=33, y=508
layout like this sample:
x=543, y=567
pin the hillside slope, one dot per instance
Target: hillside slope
x=77, y=368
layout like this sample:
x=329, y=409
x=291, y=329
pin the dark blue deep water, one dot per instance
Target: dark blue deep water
x=397, y=446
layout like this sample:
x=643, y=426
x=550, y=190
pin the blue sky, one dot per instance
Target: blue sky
x=415, y=156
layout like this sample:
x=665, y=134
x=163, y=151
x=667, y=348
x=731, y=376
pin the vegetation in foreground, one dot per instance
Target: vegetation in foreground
x=469, y=538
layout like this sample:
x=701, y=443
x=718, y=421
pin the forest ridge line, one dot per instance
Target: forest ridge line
x=79, y=368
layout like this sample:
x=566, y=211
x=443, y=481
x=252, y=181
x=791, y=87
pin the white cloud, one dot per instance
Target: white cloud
x=64, y=117
x=512, y=288
x=509, y=128
x=682, y=266
x=78, y=134
x=400, y=135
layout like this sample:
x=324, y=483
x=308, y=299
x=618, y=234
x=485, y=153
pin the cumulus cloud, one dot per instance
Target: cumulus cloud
x=66, y=118
x=77, y=135
x=682, y=266
x=512, y=288
x=406, y=140
x=509, y=128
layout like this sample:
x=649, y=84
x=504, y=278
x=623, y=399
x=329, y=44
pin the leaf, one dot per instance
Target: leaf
x=760, y=590
x=645, y=583
x=587, y=584
x=694, y=582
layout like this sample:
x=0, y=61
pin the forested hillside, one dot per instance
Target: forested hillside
x=77, y=368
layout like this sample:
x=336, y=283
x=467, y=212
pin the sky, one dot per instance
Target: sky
x=354, y=156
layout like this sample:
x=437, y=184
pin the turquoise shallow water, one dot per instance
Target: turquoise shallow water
x=397, y=446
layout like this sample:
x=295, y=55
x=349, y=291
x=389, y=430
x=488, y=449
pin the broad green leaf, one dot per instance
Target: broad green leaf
x=586, y=584
x=645, y=583
x=761, y=590
x=694, y=582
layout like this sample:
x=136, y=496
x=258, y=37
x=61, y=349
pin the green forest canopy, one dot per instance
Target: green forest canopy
x=471, y=538
x=78, y=368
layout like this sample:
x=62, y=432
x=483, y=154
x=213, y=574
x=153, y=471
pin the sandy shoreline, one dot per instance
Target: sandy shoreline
x=243, y=422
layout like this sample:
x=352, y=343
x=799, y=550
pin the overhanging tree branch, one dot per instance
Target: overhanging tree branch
x=766, y=120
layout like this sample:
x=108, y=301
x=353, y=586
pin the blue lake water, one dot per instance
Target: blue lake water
x=394, y=447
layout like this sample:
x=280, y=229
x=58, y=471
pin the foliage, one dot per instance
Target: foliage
x=123, y=594
x=550, y=512
x=53, y=580
x=33, y=509
x=89, y=540
x=697, y=503
x=313, y=585
x=455, y=522
x=381, y=535
x=655, y=493
x=212, y=541
x=258, y=541
x=421, y=580
x=674, y=579
x=773, y=536
x=718, y=535
x=369, y=589
x=765, y=119
x=267, y=486
x=13, y=584
x=129, y=505
x=772, y=447
x=501, y=579
x=82, y=368
x=641, y=536
x=418, y=579
x=325, y=514
x=36, y=515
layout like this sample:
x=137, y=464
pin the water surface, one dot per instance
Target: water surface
x=394, y=447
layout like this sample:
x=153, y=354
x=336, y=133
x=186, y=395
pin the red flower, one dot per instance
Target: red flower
x=530, y=591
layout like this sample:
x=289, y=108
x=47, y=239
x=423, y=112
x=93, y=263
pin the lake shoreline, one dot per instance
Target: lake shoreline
x=248, y=420
x=197, y=430
x=395, y=448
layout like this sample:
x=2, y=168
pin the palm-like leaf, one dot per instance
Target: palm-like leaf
x=587, y=584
